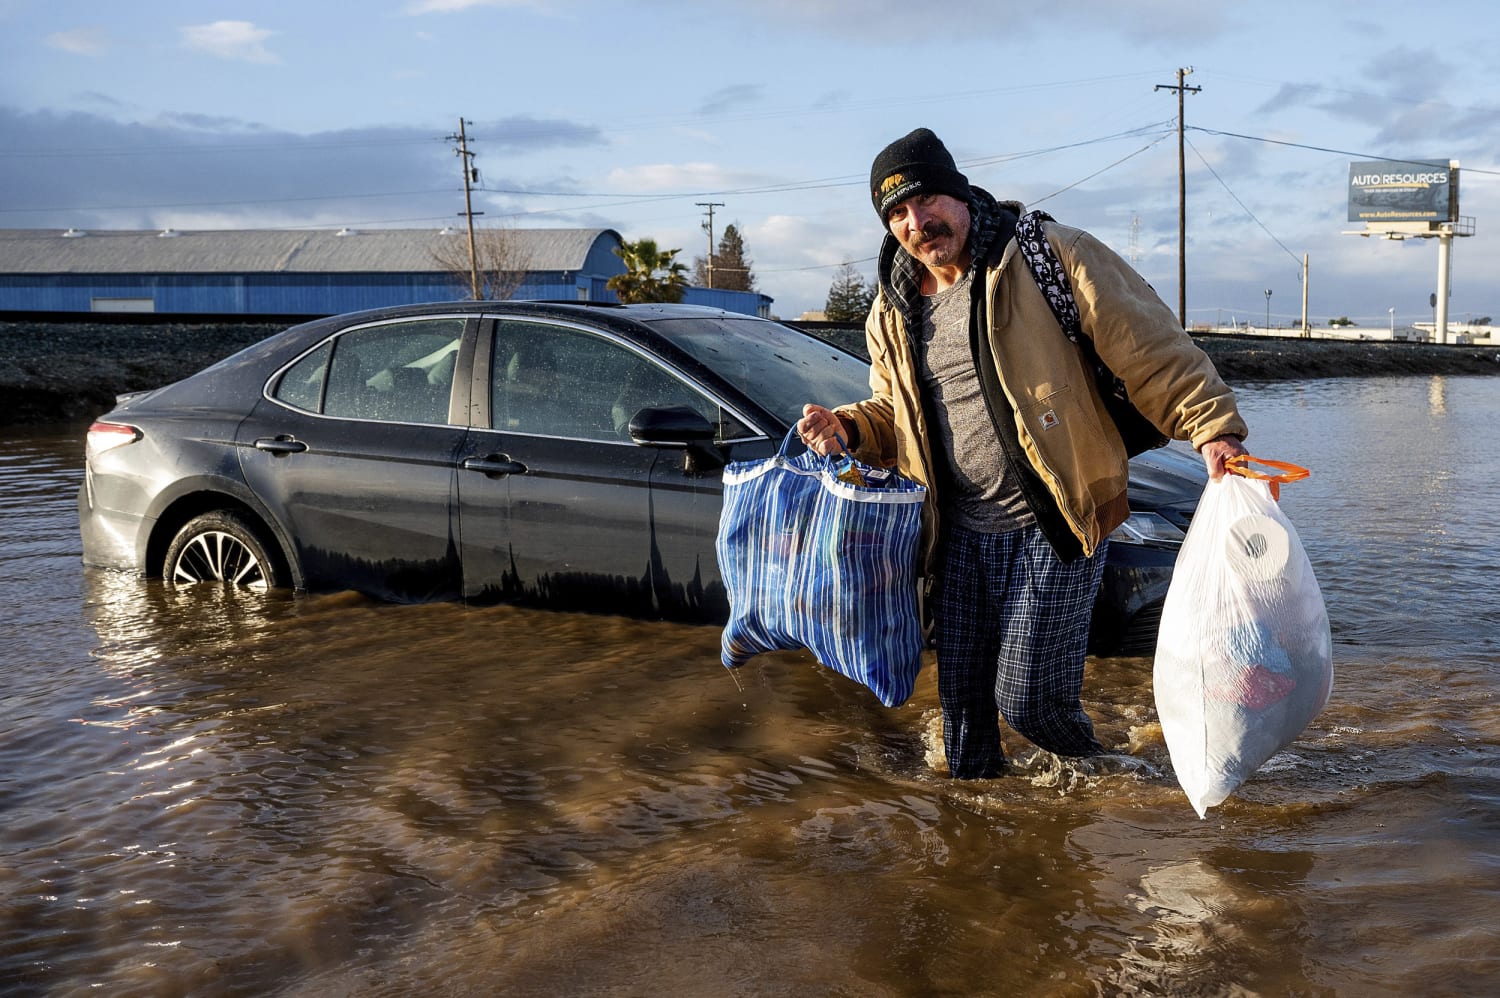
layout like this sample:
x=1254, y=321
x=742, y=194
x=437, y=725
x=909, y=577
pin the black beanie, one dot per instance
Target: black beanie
x=917, y=163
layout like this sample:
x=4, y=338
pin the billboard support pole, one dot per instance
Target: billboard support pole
x=1445, y=273
x=1306, y=332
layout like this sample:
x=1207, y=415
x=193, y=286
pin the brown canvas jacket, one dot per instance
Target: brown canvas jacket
x=1060, y=420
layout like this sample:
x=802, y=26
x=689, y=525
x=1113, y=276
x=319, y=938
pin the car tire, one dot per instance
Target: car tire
x=220, y=547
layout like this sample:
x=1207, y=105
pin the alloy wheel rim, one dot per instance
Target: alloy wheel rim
x=216, y=556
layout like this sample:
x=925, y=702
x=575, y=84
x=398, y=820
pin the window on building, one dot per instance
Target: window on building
x=122, y=305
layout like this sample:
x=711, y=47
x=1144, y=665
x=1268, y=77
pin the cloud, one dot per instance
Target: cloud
x=1405, y=104
x=456, y=6
x=98, y=98
x=184, y=170
x=212, y=125
x=235, y=40
x=1292, y=95
x=833, y=99
x=524, y=133
x=80, y=41
x=731, y=97
x=808, y=253
x=676, y=178
x=1161, y=22
x=1406, y=73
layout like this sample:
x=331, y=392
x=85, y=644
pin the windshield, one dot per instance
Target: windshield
x=779, y=367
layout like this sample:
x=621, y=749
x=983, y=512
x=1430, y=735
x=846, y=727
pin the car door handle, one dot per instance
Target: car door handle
x=494, y=464
x=280, y=445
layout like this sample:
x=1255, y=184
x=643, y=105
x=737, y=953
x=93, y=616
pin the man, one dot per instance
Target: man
x=977, y=393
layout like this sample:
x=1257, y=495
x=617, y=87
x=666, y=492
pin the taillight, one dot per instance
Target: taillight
x=107, y=436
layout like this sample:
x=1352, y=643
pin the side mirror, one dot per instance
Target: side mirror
x=678, y=427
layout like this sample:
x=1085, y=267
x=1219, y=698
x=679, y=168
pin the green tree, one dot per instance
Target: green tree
x=849, y=298
x=730, y=269
x=651, y=274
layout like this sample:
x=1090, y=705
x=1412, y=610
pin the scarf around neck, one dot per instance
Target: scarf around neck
x=901, y=273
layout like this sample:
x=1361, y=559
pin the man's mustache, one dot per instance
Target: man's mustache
x=935, y=229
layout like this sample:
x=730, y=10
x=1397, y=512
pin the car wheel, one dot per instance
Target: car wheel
x=219, y=547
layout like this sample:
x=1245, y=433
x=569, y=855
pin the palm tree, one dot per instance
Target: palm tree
x=650, y=274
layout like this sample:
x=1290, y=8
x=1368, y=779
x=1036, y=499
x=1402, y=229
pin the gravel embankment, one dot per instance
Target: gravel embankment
x=63, y=372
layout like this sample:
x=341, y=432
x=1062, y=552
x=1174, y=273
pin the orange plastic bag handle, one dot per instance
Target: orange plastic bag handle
x=1239, y=465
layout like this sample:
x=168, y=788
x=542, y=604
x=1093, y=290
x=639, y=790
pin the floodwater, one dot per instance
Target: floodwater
x=325, y=796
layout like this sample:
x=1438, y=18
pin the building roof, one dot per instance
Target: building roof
x=274, y=251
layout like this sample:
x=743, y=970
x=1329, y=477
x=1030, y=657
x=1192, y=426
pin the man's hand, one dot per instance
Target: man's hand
x=817, y=429
x=1217, y=451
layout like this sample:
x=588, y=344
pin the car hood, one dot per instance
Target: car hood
x=1166, y=476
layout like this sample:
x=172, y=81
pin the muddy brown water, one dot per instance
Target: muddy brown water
x=321, y=795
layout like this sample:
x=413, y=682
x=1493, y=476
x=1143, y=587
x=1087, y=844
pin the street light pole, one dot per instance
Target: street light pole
x=1268, y=310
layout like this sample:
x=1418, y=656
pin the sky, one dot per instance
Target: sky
x=637, y=116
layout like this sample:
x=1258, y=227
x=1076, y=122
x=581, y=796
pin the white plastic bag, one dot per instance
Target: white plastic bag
x=1244, y=658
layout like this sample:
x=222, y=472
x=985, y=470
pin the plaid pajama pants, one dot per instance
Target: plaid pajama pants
x=1012, y=627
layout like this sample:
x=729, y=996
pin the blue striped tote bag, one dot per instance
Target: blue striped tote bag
x=821, y=554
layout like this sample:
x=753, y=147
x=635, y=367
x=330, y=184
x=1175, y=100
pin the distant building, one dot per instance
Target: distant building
x=1458, y=332
x=296, y=272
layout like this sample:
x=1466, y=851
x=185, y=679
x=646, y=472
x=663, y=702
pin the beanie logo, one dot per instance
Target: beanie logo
x=891, y=183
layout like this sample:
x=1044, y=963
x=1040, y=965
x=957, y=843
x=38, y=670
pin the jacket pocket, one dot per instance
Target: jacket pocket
x=1062, y=424
x=1077, y=460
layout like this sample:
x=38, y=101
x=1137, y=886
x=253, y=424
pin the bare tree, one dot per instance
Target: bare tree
x=501, y=260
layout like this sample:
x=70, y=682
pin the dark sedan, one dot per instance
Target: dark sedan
x=558, y=455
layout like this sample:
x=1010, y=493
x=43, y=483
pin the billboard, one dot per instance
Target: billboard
x=1385, y=190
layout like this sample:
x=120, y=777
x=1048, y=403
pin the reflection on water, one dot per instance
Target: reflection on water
x=216, y=795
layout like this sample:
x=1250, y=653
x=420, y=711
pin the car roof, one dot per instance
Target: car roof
x=595, y=311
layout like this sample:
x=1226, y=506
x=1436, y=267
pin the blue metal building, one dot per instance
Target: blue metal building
x=297, y=272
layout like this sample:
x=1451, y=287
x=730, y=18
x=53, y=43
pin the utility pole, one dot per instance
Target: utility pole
x=709, y=228
x=1181, y=89
x=471, y=174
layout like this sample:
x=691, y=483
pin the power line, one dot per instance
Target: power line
x=1242, y=204
x=1083, y=180
x=1340, y=152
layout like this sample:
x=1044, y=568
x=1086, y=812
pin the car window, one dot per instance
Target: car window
x=560, y=381
x=302, y=385
x=779, y=367
x=398, y=372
